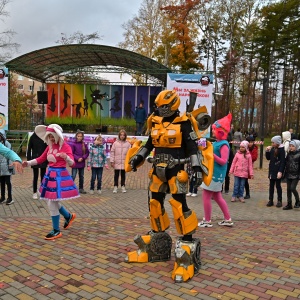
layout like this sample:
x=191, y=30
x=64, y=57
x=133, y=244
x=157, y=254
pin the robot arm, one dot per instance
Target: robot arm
x=196, y=165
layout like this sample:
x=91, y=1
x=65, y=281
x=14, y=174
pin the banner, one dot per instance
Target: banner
x=4, y=98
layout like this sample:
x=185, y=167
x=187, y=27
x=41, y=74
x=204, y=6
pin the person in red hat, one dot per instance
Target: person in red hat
x=220, y=130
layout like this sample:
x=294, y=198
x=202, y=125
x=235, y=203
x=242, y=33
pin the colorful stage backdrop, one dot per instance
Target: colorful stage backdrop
x=97, y=101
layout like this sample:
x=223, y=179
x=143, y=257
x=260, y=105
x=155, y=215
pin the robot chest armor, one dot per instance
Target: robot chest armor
x=166, y=135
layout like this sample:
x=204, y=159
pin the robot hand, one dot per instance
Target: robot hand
x=135, y=162
x=197, y=175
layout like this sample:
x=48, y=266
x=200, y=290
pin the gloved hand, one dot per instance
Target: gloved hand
x=135, y=162
x=197, y=175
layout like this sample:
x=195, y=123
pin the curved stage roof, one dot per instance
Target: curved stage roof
x=44, y=64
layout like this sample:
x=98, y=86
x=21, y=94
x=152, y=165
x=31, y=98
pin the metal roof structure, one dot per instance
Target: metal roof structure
x=48, y=64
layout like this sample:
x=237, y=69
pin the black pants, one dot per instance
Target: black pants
x=291, y=185
x=5, y=180
x=116, y=177
x=36, y=172
x=276, y=182
x=247, y=188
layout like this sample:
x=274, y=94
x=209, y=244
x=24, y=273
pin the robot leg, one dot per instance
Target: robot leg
x=157, y=245
x=187, y=253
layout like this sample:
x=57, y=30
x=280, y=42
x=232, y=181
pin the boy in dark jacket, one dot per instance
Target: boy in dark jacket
x=292, y=171
x=276, y=155
x=140, y=118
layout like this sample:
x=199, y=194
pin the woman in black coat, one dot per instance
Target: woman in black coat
x=36, y=147
x=276, y=155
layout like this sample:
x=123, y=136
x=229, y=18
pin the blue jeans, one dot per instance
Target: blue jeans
x=239, y=185
x=80, y=174
x=139, y=128
x=96, y=173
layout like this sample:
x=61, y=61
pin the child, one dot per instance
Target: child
x=292, y=171
x=253, y=149
x=241, y=168
x=220, y=130
x=80, y=151
x=57, y=184
x=117, y=159
x=6, y=170
x=276, y=155
x=192, y=189
x=96, y=161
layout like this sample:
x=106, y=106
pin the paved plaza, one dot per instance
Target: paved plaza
x=258, y=258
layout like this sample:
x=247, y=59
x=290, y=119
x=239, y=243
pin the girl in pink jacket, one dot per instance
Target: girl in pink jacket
x=118, y=153
x=242, y=169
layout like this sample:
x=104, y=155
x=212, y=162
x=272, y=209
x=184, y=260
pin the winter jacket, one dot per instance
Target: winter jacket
x=140, y=115
x=97, y=157
x=237, y=138
x=292, y=165
x=254, y=153
x=6, y=168
x=36, y=147
x=286, y=138
x=242, y=165
x=77, y=149
x=277, y=163
x=118, y=153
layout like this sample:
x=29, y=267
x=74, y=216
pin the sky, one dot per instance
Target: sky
x=39, y=23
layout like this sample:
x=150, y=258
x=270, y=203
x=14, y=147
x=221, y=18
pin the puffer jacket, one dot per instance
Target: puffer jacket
x=286, y=138
x=97, y=157
x=242, y=165
x=5, y=170
x=292, y=165
x=277, y=162
x=77, y=150
x=118, y=153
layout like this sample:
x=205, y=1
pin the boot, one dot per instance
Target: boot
x=288, y=206
x=297, y=204
x=279, y=203
x=270, y=203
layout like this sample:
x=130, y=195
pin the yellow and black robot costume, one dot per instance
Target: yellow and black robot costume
x=173, y=139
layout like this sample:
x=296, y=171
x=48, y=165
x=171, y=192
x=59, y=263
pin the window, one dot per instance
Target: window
x=20, y=77
x=20, y=87
x=30, y=87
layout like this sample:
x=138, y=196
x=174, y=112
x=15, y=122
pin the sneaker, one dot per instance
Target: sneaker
x=35, y=196
x=9, y=201
x=82, y=191
x=226, y=192
x=247, y=197
x=204, y=223
x=123, y=189
x=189, y=194
x=194, y=195
x=115, y=190
x=92, y=192
x=233, y=199
x=69, y=222
x=99, y=192
x=226, y=223
x=2, y=200
x=54, y=234
x=242, y=199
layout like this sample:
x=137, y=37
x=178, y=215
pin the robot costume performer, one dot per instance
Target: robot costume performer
x=174, y=139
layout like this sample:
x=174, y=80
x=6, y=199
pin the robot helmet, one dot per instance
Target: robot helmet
x=167, y=103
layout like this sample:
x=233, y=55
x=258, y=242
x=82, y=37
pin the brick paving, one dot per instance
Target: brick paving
x=258, y=258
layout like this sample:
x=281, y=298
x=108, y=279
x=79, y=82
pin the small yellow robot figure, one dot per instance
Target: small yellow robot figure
x=174, y=139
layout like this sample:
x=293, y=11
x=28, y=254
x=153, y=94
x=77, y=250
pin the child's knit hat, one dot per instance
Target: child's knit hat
x=276, y=139
x=244, y=144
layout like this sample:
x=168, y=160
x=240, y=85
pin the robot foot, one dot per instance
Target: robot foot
x=156, y=246
x=187, y=255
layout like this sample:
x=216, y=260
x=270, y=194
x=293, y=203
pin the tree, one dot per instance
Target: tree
x=78, y=38
x=7, y=45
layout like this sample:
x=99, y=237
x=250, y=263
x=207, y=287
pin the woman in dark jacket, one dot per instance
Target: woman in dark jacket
x=276, y=155
x=36, y=147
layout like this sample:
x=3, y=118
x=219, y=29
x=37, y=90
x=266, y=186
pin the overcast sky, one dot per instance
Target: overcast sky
x=39, y=23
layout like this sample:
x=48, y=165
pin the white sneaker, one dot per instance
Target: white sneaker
x=204, y=223
x=35, y=196
x=123, y=189
x=189, y=194
x=92, y=192
x=194, y=195
x=115, y=189
x=99, y=192
x=226, y=223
